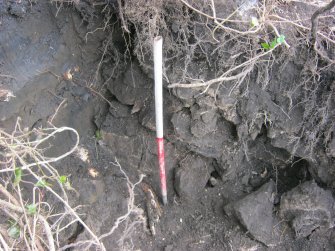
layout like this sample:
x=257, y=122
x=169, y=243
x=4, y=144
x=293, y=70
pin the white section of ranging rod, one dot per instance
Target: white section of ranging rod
x=158, y=67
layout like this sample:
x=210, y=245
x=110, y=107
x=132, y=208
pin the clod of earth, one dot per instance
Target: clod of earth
x=191, y=177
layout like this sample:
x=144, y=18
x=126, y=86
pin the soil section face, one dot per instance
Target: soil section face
x=249, y=164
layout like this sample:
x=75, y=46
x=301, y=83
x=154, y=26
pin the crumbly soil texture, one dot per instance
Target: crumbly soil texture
x=248, y=118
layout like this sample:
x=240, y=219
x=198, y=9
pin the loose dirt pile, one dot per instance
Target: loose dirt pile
x=249, y=123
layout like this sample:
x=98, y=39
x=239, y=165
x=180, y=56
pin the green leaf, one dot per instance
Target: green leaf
x=62, y=179
x=18, y=176
x=42, y=183
x=281, y=39
x=273, y=44
x=265, y=46
x=65, y=181
x=32, y=209
x=14, y=231
x=98, y=135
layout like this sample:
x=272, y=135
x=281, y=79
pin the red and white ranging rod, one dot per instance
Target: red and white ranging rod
x=158, y=66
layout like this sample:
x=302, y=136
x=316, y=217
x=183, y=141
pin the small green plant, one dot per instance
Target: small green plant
x=98, y=135
x=63, y=179
x=32, y=209
x=18, y=176
x=273, y=43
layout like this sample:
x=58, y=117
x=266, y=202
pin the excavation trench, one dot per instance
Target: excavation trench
x=237, y=154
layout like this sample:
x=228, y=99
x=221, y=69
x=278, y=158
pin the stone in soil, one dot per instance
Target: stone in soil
x=255, y=213
x=308, y=208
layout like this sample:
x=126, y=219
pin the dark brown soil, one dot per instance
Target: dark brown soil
x=231, y=156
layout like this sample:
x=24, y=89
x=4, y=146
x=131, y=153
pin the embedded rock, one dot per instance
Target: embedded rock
x=308, y=207
x=255, y=213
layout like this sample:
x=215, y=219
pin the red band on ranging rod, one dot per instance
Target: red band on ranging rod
x=161, y=160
